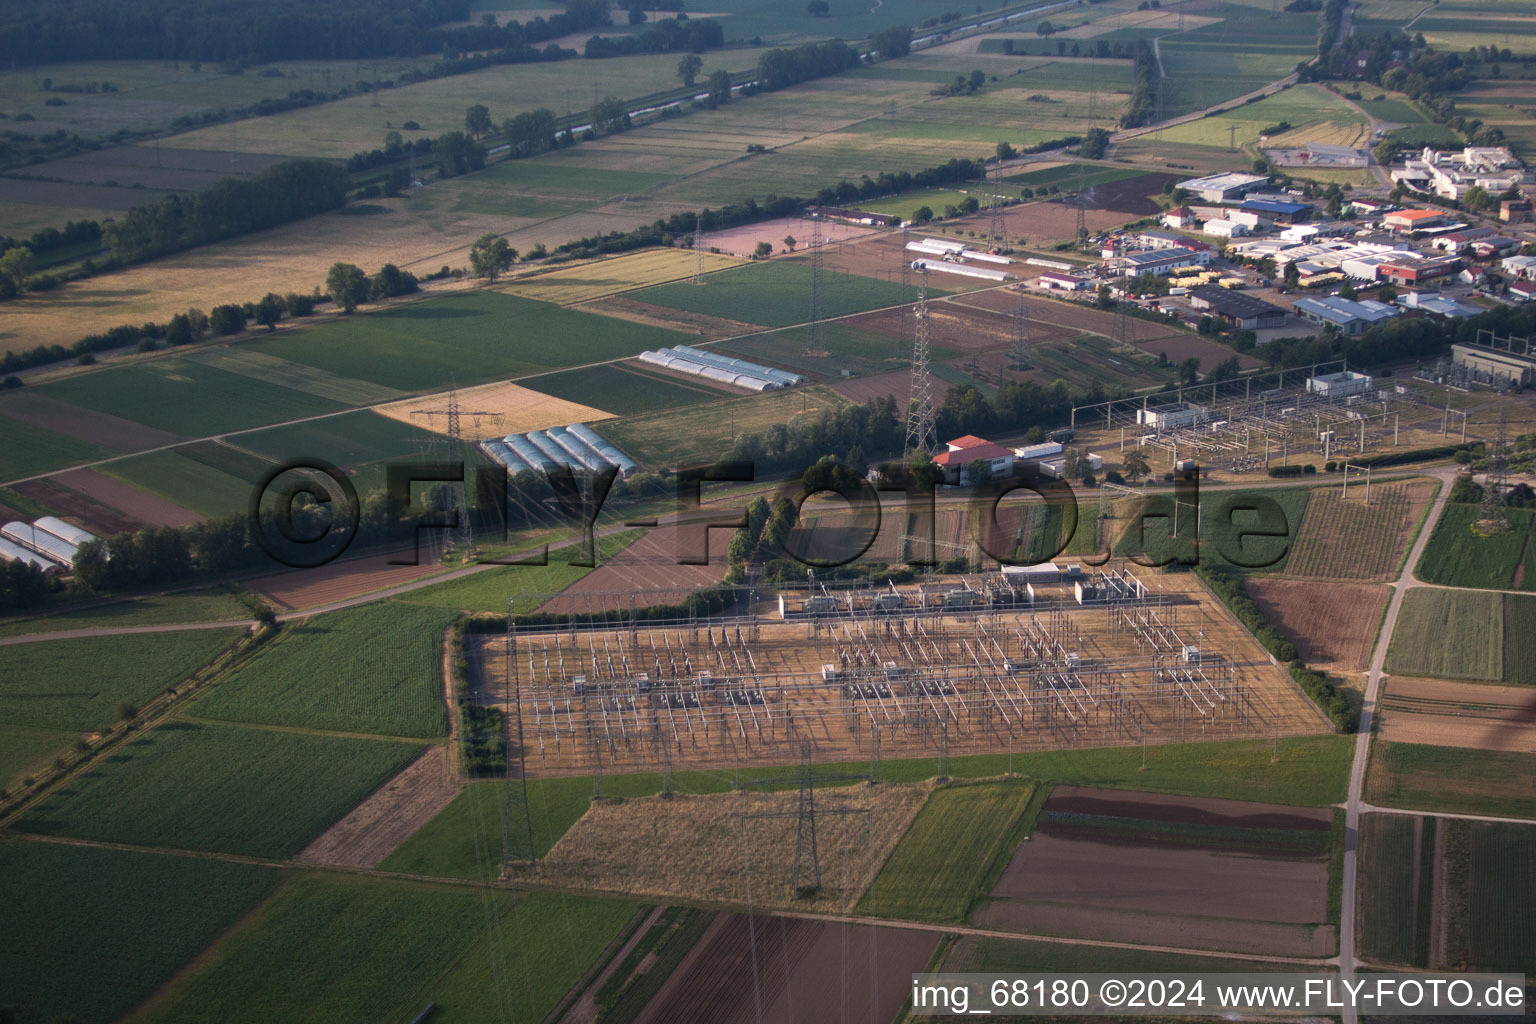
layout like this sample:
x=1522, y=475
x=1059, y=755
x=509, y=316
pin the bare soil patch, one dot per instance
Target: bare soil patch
x=1333, y=625
x=862, y=389
x=808, y=972
x=649, y=571
x=374, y=828
x=85, y=424
x=313, y=588
x=1170, y=870
x=102, y=520
x=674, y=319
x=1453, y=714
x=701, y=847
x=742, y=241
x=140, y=506
x=1178, y=346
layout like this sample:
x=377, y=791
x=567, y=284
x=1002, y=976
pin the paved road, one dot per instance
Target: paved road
x=1355, y=804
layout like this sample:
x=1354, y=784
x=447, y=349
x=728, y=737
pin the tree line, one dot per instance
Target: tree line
x=669, y=35
x=284, y=192
x=1145, y=83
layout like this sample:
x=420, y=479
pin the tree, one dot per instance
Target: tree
x=790, y=242
x=926, y=474
x=17, y=265
x=977, y=79
x=1135, y=466
x=1045, y=28
x=819, y=9
x=1189, y=370
x=1349, y=292
x=719, y=85
x=1292, y=274
x=347, y=286
x=490, y=255
x=227, y=319
x=1005, y=151
x=179, y=330
x=477, y=120
x=922, y=215
x=1475, y=198
x=391, y=281
x=978, y=471
x=269, y=310
x=688, y=68
x=763, y=251
x=895, y=41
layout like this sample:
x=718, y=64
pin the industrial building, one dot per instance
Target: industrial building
x=962, y=451
x=1158, y=261
x=1236, y=308
x=1172, y=416
x=1063, y=281
x=741, y=373
x=1518, y=368
x=1412, y=220
x=1316, y=154
x=1339, y=385
x=544, y=451
x=1438, y=305
x=1450, y=174
x=1223, y=188
x=1519, y=266
x=1417, y=271
x=1277, y=210
x=40, y=540
x=1349, y=317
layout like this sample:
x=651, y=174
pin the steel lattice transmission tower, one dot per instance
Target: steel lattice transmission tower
x=1494, y=517
x=904, y=342
x=998, y=229
x=462, y=534
x=813, y=329
x=922, y=433
x=1018, y=352
x=805, y=879
x=698, y=248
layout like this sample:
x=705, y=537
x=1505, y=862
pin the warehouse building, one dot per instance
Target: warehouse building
x=1223, y=188
x=1349, y=317
x=1237, y=308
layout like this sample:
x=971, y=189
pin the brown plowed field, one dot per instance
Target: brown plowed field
x=1466, y=715
x=649, y=564
x=1085, y=874
x=372, y=830
x=1333, y=625
x=896, y=382
x=1179, y=346
x=86, y=424
x=311, y=588
x=673, y=319
x=100, y=490
x=749, y=970
x=100, y=519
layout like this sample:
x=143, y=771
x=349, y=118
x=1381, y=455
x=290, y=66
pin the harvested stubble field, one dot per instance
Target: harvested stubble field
x=1333, y=625
x=711, y=848
x=91, y=932
x=1458, y=715
x=339, y=580
x=1454, y=779
x=649, y=570
x=1344, y=538
x=815, y=972
x=571, y=285
x=374, y=828
x=1134, y=867
x=742, y=241
x=495, y=410
x=700, y=434
x=222, y=789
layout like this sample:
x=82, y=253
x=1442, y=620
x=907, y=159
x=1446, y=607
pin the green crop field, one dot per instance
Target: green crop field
x=849, y=348
x=373, y=669
x=221, y=788
x=1251, y=530
x=1066, y=176
x=91, y=932
x=29, y=450
x=23, y=748
x=196, y=606
x=465, y=339
x=701, y=433
x=1396, y=108
x=1426, y=778
x=1458, y=557
x=490, y=589
x=1449, y=634
x=357, y=442
x=1520, y=639
x=777, y=293
x=936, y=871
x=78, y=684
x=247, y=361
x=1387, y=895
x=1501, y=929
x=355, y=949
x=186, y=481
x=622, y=390
x=186, y=397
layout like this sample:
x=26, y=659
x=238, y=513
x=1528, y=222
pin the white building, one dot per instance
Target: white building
x=1339, y=385
x=1223, y=188
x=1523, y=267
x=1224, y=228
x=1172, y=416
x=1450, y=174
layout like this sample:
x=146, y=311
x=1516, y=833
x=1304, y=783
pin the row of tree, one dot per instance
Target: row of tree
x=1145, y=83
x=669, y=35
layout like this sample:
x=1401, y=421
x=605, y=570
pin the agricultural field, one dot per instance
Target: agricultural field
x=1344, y=538
x=81, y=685
x=568, y=286
x=1250, y=47
x=1228, y=875
x=358, y=442
x=1465, y=634
x=981, y=954
x=374, y=669
x=30, y=450
x=1430, y=778
x=219, y=484
x=353, y=948
x=1071, y=177
x=1501, y=877
x=1457, y=556
x=244, y=360
x=25, y=748
x=91, y=932
x=220, y=788
x=1333, y=625
x=462, y=339
x=1450, y=714
x=626, y=389
x=938, y=868
x=1315, y=114
x=493, y=409
x=1397, y=853
x=657, y=848
x=778, y=293
x=491, y=589
x=1506, y=104
x=701, y=433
